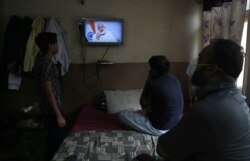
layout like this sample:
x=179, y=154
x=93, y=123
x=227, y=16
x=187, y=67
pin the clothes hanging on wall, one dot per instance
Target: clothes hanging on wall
x=16, y=36
x=52, y=25
x=11, y=45
x=24, y=30
x=31, y=48
x=20, y=49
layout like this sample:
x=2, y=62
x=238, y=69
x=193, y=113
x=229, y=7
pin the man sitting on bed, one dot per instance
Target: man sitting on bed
x=161, y=100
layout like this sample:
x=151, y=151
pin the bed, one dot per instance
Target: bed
x=98, y=136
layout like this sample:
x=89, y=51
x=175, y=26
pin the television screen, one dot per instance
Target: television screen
x=102, y=31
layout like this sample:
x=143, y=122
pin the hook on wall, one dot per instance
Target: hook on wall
x=82, y=2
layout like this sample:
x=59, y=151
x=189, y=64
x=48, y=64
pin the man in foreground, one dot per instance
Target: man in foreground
x=217, y=127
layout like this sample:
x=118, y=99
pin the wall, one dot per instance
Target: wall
x=78, y=89
x=1, y=28
x=167, y=27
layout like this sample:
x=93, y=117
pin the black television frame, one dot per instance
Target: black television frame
x=87, y=43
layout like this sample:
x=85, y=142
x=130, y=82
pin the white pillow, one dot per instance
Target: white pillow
x=119, y=100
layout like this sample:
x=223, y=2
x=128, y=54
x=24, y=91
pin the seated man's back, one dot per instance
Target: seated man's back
x=166, y=101
x=161, y=100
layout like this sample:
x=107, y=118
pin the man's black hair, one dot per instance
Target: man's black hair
x=159, y=63
x=44, y=39
x=228, y=56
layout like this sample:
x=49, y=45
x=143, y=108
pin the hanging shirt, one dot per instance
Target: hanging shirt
x=11, y=46
x=24, y=33
x=52, y=25
x=31, y=48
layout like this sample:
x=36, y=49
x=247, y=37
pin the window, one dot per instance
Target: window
x=244, y=45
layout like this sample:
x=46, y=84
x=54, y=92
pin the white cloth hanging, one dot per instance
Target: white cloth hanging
x=52, y=25
x=14, y=81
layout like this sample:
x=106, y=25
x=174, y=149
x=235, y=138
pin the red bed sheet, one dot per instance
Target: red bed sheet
x=92, y=118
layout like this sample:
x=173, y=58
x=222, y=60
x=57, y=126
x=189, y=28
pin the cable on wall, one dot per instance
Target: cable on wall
x=86, y=77
x=105, y=53
x=91, y=81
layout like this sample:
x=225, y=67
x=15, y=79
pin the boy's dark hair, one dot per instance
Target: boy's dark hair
x=159, y=63
x=228, y=56
x=44, y=39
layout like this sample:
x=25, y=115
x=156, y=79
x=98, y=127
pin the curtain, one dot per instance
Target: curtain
x=223, y=19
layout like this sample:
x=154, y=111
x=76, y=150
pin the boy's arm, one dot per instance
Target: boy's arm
x=47, y=86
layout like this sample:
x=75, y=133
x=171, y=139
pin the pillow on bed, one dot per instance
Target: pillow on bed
x=119, y=100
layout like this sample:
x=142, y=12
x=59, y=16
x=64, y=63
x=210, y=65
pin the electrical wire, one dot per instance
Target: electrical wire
x=92, y=78
x=105, y=53
x=84, y=53
x=95, y=75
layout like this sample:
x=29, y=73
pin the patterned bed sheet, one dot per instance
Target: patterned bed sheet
x=116, y=145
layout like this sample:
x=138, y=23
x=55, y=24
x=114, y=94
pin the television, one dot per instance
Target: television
x=96, y=31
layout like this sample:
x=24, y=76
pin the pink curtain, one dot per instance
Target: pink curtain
x=225, y=21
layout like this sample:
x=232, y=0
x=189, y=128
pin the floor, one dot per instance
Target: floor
x=22, y=145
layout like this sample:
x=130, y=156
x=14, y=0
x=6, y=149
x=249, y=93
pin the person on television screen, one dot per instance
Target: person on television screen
x=217, y=127
x=161, y=101
x=103, y=35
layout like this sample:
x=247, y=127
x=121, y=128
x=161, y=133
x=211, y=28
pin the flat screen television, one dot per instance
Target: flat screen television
x=96, y=31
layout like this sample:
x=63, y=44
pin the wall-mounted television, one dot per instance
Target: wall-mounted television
x=96, y=31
